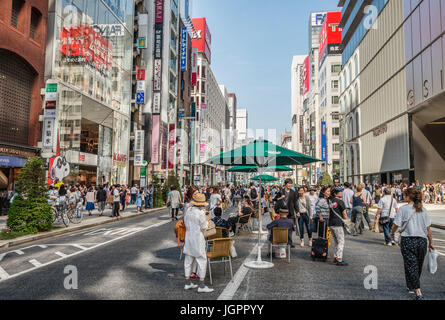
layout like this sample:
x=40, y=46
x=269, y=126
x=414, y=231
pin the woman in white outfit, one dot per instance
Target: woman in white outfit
x=196, y=223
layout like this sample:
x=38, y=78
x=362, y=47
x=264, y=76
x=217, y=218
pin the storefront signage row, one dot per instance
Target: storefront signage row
x=16, y=152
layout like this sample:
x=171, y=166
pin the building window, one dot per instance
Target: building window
x=335, y=68
x=203, y=72
x=334, y=84
x=335, y=132
x=203, y=86
x=335, y=117
x=334, y=99
x=15, y=12
x=35, y=20
x=203, y=100
x=336, y=147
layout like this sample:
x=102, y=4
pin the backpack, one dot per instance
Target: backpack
x=253, y=194
x=180, y=231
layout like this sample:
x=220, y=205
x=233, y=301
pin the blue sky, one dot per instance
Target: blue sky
x=253, y=42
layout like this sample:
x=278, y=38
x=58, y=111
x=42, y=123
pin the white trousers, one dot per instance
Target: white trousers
x=192, y=263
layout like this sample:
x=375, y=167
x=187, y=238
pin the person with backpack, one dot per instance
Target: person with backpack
x=322, y=211
x=416, y=239
x=196, y=223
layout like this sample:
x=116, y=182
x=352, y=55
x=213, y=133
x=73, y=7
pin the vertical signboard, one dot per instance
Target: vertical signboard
x=171, y=145
x=157, y=74
x=159, y=11
x=306, y=75
x=158, y=40
x=323, y=142
x=155, y=139
x=192, y=133
x=330, y=36
x=156, y=103
x=194, y=66
x=184, y=49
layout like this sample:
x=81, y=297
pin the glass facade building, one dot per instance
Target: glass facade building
x=91, y=45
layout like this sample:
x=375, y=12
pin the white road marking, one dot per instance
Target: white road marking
x=35, y=263
x=3, y=274
x=79, y=252
x=239, y=276
x=60, y=254
x=43, y=246
x=78, y=246
x=438, y=240
x=19, y=252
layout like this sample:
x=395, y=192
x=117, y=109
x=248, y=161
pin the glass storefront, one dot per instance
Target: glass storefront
x=92, y=61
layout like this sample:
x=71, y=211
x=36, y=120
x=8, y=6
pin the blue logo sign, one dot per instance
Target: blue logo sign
x=184, y=49
x=140, y=97
x=323, y=142
x=319, y=18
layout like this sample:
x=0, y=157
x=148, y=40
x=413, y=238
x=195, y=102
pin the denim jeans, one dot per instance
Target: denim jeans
x=304, y=220
x=357, y=216
x=150, y=201
x=349, y=212
x=146, y=202
x=387, y=229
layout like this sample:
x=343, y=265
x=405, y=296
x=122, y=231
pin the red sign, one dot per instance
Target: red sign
x=203, y=38
x=171, y=145
x=50, y=105
x=306, y=75
x=330, y=33
x=140, y=74
x=83, y=44
x=159, y=11
x=81, y=158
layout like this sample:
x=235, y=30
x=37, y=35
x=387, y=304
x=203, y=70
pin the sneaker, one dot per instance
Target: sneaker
x=205, y=290
x=310, y=243
x=342, y=264
x=419, y=298
x=231, y=235
x=302, y=243
x=410, y=291
x=389, y=244
x=190, y=286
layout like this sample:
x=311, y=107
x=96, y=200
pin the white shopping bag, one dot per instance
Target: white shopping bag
x=280, y=252
x=432, y=261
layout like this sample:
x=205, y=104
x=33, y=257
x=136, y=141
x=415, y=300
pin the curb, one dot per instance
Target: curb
x=50, y=234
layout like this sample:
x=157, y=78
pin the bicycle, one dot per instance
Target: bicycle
x=59, y=212
x=74, y=212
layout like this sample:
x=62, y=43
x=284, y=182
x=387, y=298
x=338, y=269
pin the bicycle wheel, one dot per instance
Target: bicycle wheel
x=75, y=215
x=55, y=214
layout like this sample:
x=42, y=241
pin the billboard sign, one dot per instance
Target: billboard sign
x=157, y=75
x=158, y=40
x=306, y=75
x=140, y=74
x=202, y=40
x=323, y=142
x=330, y=36
x=140, y=97
x=156, y=103
x=317, y=18
x=171, y=145
x=184, y=49
x=194, y=66
x=159, y=11
x=155, y=140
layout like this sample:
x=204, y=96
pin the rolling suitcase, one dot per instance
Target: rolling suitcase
x=320, y=245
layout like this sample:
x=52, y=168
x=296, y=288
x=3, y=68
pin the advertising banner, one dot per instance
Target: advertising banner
x=156, y=103
x=184, y=37
x=171, y=145
x=139, y=141
x=140, y=74
x=323, y=142
x=140, y=97
x=157, y=75
x=306, y=75
x=48, y=134
x=202, y=40
x=330, y=36
x=158, y=40
x=194, y=66
x=192, y=141
x=155, y=139
x=159, y=11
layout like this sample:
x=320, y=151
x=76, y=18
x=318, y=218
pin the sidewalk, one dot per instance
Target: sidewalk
x=87, y=222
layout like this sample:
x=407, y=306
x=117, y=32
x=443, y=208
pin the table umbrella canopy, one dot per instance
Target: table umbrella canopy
x=265, y=178
x=261, y=153
x=251, y=169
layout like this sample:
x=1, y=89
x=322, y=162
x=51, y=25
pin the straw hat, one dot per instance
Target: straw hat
x=199, y=200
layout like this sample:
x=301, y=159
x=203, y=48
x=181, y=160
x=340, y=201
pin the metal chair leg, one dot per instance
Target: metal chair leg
x=288, y=250
x=271, y=250
x=231, y=271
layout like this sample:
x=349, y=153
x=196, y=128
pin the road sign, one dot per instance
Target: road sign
x=140, y=97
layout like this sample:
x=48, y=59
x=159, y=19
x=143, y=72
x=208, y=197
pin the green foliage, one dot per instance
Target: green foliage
x=157, y=191
x=172, y=179
x=30, y=211
x=326, y=180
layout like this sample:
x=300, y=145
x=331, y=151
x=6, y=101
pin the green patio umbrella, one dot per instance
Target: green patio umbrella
x=261, y=153
x=251, y=169
x=265, y=178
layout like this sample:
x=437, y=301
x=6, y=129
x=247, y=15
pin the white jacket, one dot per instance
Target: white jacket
x=196, y=224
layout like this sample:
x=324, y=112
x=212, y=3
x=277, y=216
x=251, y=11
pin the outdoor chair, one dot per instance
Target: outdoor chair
x=244, y=225
x=220, y=254
x=217, y=235
x=279, y=237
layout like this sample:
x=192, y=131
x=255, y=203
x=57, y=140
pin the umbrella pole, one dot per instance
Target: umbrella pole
x=259, y=264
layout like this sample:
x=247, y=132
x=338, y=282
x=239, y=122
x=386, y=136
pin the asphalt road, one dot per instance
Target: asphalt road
x=139, y=259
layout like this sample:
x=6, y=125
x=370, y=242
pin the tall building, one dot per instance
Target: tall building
x=241, y=127
x=23, y=26
x=329, y=64
x=89, y=53
x=232, y=105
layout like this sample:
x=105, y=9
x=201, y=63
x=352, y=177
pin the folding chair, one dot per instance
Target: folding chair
x=279, y=237
x=220, y=251
x=243, y=225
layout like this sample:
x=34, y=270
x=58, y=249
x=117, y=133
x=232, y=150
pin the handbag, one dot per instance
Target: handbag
x=385, y=220
x=211, y=230
x=347, y=224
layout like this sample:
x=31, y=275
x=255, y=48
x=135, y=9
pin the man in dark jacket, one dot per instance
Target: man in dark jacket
x=288, y=200
x=101, y=198
x=283, y=222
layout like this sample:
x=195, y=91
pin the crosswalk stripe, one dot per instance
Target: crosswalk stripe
x=79, y=246
x=35, y=263
x=60, y=254
x=3, y=274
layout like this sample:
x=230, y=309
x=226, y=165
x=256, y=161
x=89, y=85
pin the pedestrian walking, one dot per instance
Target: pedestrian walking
x=123, y=197
x=139, y=200
x=347, y=196
x=322, y=211
x=134, y=192
x=90, y=198
x=116, y=202
x=101, y=198
x=358, y=203
x=386, y=212
x=414, y=221
x=337, y=208
x=175, y=201
x=196, y=222
x=303, y=208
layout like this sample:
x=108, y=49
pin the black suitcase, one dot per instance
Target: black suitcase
x=320, y=246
